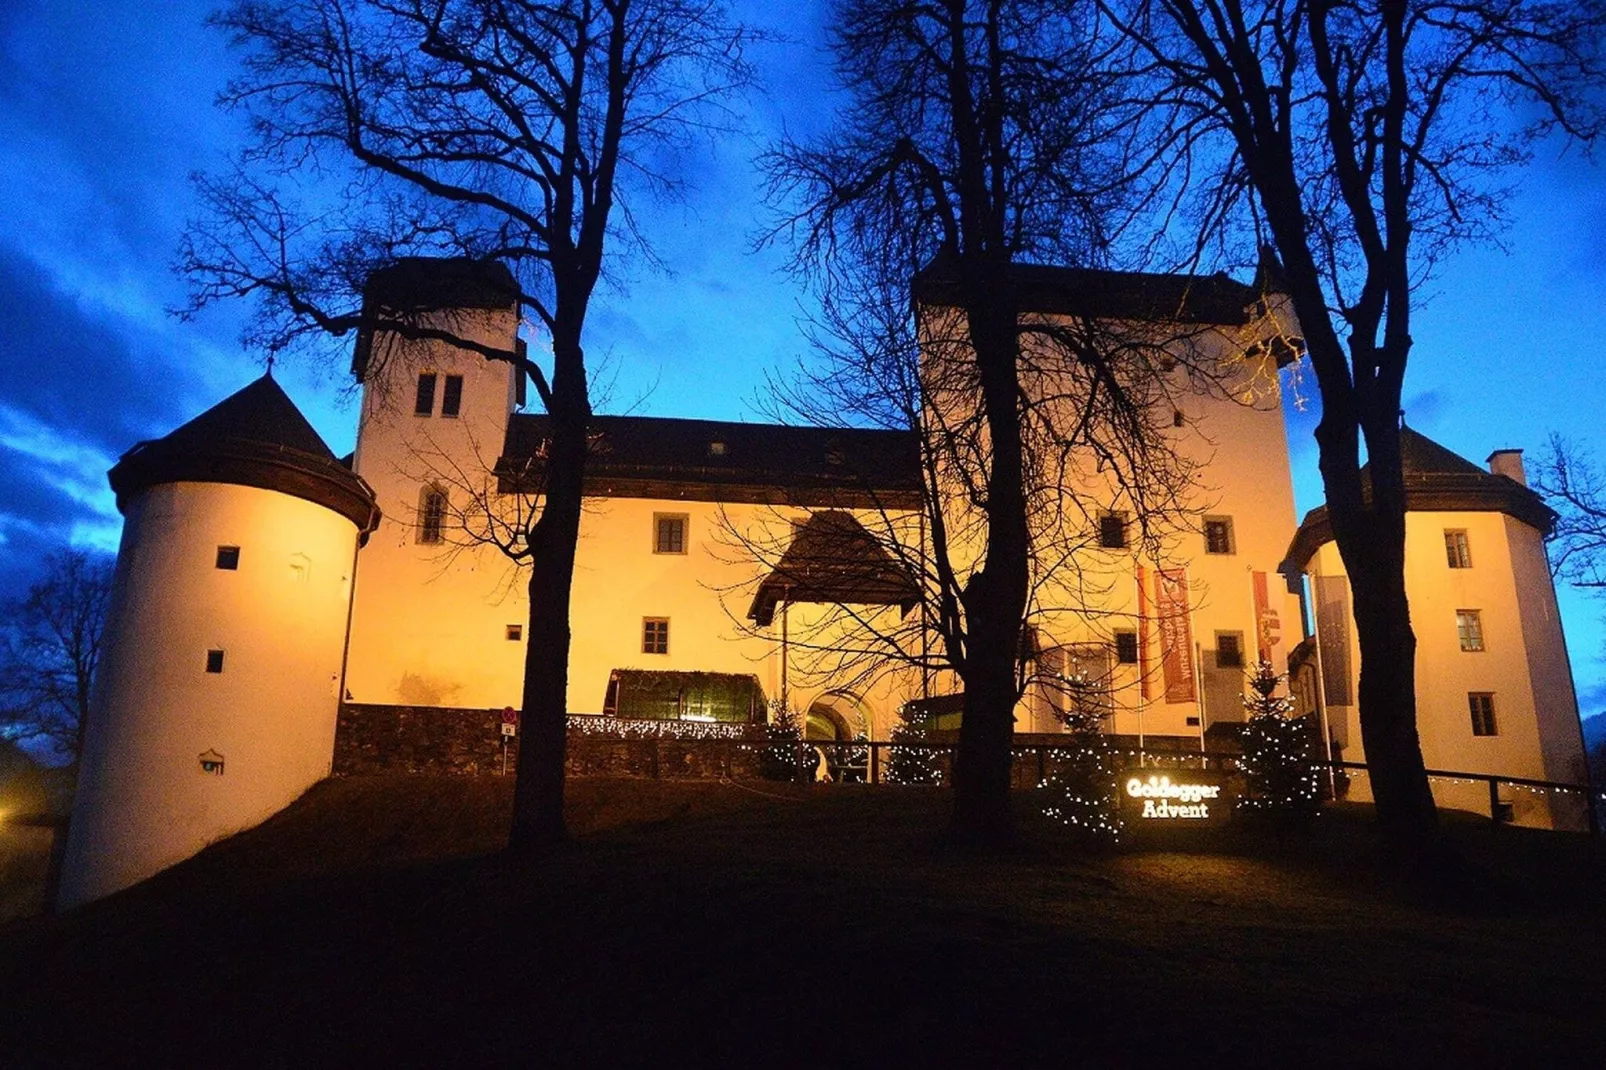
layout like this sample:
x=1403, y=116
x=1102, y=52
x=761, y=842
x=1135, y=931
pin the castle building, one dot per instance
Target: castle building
x=276, y=608
x=1494, y=687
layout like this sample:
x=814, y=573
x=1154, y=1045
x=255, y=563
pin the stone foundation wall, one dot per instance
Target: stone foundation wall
x=468, y=742
x=420, y=739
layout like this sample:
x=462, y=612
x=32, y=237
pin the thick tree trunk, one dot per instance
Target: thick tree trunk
x=538, y=825
x=1370, y=533
x=995, y=599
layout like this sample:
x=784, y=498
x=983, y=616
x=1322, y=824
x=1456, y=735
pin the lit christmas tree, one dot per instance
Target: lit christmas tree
x=1278, y=751
x=783, y=744
x=909, y=760
x=1082, y=788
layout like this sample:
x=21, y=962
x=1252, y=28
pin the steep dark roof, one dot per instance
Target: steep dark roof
x=261, y=412
x=833, y=559
x=255, y=437
x=1436, y=480
x=712, y=460
x=1131, y=295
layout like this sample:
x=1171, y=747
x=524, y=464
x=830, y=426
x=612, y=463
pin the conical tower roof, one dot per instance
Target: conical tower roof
x=261, y=412
x=255, y=437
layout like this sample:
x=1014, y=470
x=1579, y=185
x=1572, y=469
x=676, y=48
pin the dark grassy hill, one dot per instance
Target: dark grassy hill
x=373, y=924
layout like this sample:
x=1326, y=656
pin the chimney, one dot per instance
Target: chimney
x=1508, y=463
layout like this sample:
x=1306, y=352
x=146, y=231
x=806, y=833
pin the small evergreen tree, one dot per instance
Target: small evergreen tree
x=783, y=744
x=1278, y=752
x=910, y=760
x=1082, y=787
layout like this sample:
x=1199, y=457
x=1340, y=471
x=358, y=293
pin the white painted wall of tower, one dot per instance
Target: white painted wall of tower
x=145, y=801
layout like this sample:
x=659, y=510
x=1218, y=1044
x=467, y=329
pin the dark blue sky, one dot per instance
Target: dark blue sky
x=106, y=106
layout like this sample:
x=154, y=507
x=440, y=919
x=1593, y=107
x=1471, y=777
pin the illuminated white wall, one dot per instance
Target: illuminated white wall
x=144, y=801
x=1523, y=665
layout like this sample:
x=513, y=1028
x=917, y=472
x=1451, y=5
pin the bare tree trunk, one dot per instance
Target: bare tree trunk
x=1371, y=540
x=538, y=824
x=995, y=598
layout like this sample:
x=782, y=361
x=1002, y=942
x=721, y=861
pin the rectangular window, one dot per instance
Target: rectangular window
x=654, y=635
x=1126, y=648
x=515, y=633
x=214, y=661
x=432, y=515
x=1469, y=629
x=1229, y=650
x=669, y=533
x=1481, y=705
x=1456, y=549
x=424, y=403
x=228, y=558
x=452, y=397
x=1112, y=531
x=1218, y=535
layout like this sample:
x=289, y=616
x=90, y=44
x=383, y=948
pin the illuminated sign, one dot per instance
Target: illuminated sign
x=1179, y=797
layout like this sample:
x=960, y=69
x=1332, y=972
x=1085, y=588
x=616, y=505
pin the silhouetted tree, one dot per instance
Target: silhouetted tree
x=1364, y=141
x=505, y=130
x=975, y=137
x=49, y=650
x=1573, y=486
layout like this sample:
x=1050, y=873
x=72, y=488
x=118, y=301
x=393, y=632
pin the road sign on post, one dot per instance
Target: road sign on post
x=510, y=730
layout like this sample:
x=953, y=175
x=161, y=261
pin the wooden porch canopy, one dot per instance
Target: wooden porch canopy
x=833, y=559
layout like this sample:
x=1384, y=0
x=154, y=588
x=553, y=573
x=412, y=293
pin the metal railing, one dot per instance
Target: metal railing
x=888, y=762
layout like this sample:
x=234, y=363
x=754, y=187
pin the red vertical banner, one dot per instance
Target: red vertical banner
x=1176, y=633
x=1268, y=625
x=1143, y=635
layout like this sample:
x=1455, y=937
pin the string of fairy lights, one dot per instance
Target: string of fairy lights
x=1081, y=784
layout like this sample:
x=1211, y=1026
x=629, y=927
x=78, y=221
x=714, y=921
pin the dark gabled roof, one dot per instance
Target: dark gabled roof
x=833, y=559
x=1436, y=480
x=1130, y=295
x=255, y=437
x=713, y=460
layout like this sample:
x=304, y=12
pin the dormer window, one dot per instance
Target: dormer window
x=424, y=401
x=716, y=448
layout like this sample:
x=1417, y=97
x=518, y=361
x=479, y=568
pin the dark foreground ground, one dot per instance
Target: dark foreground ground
x=695, y=925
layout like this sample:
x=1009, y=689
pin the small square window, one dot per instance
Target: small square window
x=424, y=402
x=1456, y=550
x=228, y=558
x=1469, y=629
x=716, y=448
x=1229, y=650
x=452, y=396
x=1177, y=419
x=515, y=633
x=214, y=661
x=1112, y=531
x=1126, y=648
x=1218, y=535
x=1481, y=705
x=669, y=534
x=654, y=635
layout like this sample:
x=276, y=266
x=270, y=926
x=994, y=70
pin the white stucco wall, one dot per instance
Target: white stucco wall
x=1523, y=665
x=144, y=802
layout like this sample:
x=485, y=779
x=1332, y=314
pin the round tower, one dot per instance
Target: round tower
x=218, y=688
